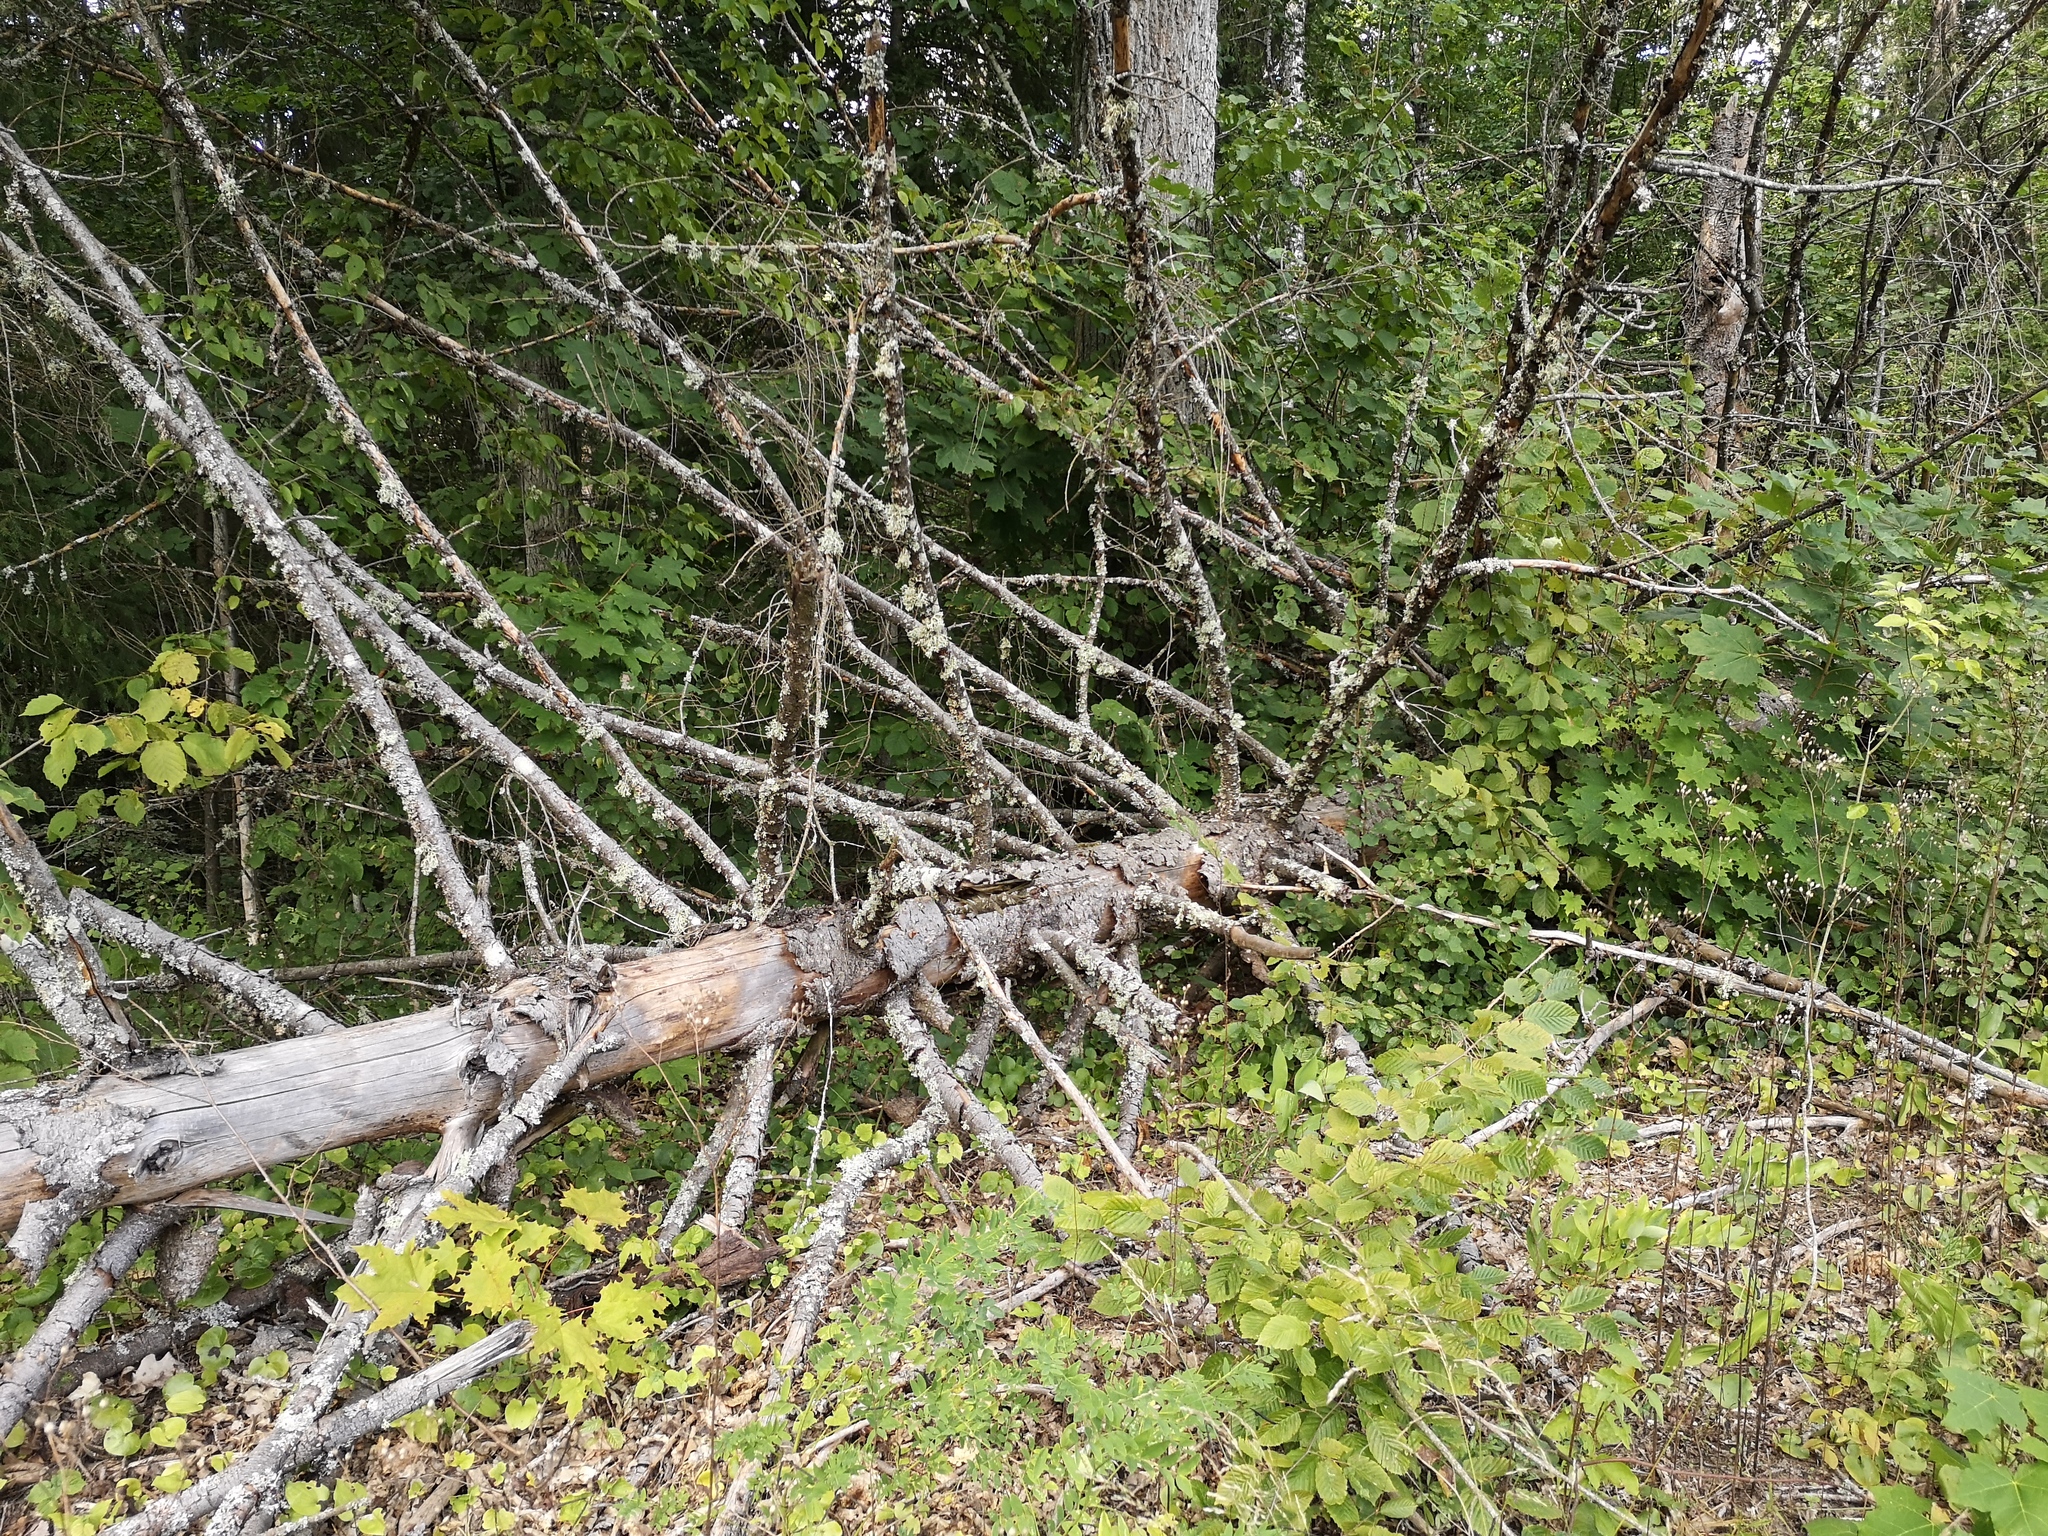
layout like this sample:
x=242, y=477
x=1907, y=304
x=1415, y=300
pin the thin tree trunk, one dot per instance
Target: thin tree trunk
x=1716, y=310
x=1792, y=318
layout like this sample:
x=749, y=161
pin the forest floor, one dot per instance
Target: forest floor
x=935, y=1401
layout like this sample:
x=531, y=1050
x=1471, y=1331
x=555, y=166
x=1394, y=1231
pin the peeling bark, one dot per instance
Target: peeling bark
x=1716, y=305
x=64, y=1153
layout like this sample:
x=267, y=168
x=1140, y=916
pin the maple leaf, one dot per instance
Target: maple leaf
x=487, y=1284
x=1728, y=652
x=626, y=1311
x=600, y=1207
x=399, y=1285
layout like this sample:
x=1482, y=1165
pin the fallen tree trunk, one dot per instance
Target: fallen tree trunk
x=67, y=1151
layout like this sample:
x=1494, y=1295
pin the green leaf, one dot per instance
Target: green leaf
x=304, y=1500
x=1899, y=1512
x=126, y=732
x=42, y=704
x=178, y=668
x=163, y=762
x=521, y=1412
x=1979, y=1405
x=1521, y=1036
x=154, y=705
x=1729, y=652
x=1552, y=1016
x=1284, y=1330
x=57, y=766
x=2016, y=1502
x=209, y=755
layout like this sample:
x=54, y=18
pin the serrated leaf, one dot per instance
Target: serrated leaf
x=1358, y=1102
x=42, y=704
x=1979, y=1405
x=400, y=1286
x=1117, y=1297
x=487, y=1285
x=626, y=1311
x=1283, y=1330
x=2017, y=1502
x=1388, y=1445
x=599, y=1207
x=1524, y=1036
x=178, y=668
x=1899, y=1512
x=1332, y=1486
x=1729, y=652
x=209, y=755
x=126, y=732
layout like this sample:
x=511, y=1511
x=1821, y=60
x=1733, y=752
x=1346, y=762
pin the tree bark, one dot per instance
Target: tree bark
x=1173, y=64
x=119, y=1141
x=1716, y=310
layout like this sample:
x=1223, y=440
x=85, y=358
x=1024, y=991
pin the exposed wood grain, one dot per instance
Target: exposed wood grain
x=152, y=1139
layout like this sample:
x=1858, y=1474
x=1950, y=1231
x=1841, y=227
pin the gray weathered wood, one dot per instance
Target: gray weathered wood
x=126, y=1142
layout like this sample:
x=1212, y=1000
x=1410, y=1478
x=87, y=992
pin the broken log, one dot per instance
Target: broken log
x=68, y=1150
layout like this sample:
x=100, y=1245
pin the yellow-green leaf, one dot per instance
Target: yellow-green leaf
x=399, y=1285
x=1522, y=1036
x=1284, y=1330
x=126, y=732
x=209, y=755
x=487, y=1284
x=600, y=1207
x=164, y=764
x=626, y=1311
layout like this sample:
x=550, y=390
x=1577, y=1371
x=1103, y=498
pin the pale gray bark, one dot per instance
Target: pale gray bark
x=34, y=1363
x=1716, y=308
x=1173, y=64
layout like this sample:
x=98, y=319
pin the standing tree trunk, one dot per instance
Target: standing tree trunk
x=1716, y=312
x=1173, y=63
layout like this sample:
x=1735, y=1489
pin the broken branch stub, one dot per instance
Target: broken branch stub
x=121, y=1142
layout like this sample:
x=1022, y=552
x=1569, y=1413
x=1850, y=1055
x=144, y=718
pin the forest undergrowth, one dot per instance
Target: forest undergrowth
x=1318, y=812
x=1741, y=1276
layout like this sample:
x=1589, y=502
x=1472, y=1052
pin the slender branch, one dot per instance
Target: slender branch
x=992, y=987
x=1659, y=999
x=73, y=983
x=904, y=528
x=278, y=1007
x=183, y=417
x=32, y=1365
x=1353, y=678
x=393, y=492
